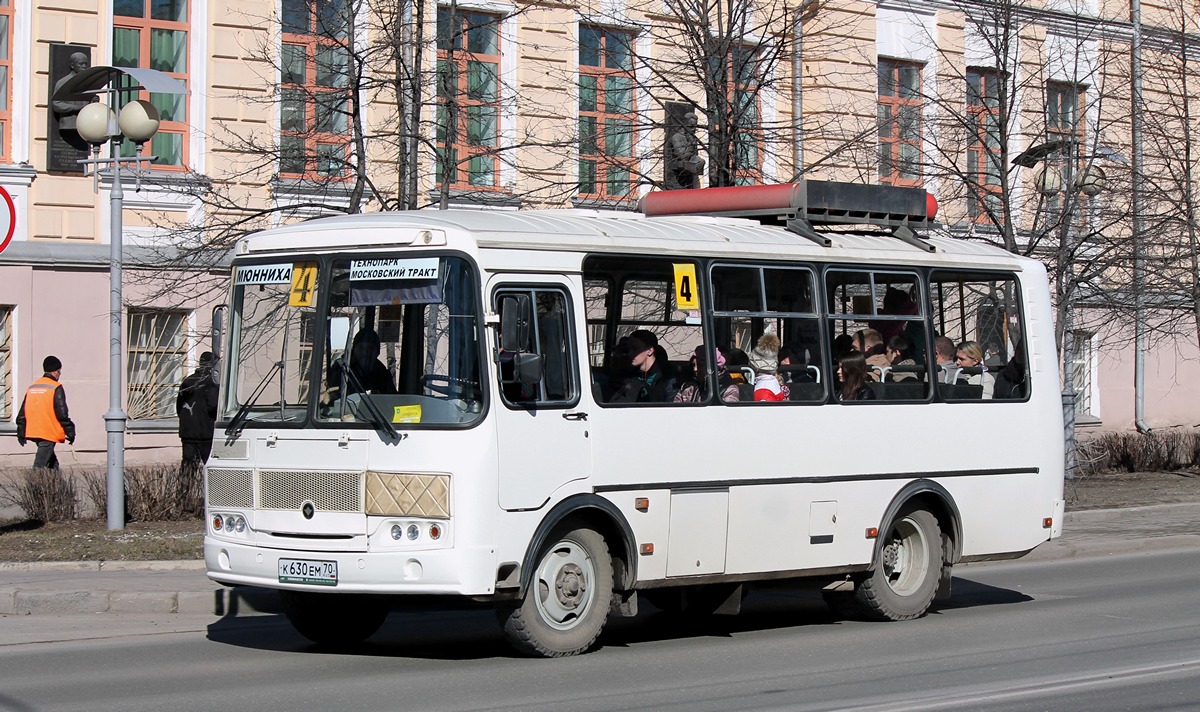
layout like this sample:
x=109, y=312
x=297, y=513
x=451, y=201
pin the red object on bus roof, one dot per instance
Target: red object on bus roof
x=721, y=200
x=821, y=202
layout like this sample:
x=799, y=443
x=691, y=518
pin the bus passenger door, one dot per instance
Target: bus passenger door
x=541, y=420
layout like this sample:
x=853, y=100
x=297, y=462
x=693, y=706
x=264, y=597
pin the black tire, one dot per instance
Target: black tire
x=568, y=598
x=334, y=619
x=906, y=575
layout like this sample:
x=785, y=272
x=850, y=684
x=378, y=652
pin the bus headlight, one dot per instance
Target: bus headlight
x=413, y=532
x=397, y=532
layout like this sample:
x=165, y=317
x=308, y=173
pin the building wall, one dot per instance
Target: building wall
x=62, y=295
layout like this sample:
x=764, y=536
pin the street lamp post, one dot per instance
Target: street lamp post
x=99, y=123
x=1090, y=183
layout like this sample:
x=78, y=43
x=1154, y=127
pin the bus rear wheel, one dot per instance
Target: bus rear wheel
x=906, y=575
x=329, y=619
x=568, y=598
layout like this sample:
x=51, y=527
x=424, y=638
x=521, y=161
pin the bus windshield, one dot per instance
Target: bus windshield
x=403, y=343
x=397, y=339
x=271, y=343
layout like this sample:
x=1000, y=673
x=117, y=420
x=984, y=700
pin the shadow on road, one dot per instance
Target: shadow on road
x=441, y=633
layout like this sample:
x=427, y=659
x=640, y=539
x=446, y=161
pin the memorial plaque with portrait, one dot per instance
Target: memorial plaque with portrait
x=64, y=147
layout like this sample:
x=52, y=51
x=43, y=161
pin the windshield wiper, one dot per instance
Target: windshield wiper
x=377, y=418
x=239, y=419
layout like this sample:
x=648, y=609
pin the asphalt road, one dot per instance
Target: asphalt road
x=1100, y=633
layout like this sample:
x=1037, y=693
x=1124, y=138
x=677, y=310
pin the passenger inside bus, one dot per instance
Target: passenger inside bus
x=1010, y=381
x=970, y=355
x=650, y=384
x=764, y=359
x=852, y=374
x=900, y=357
x=693, y=389
x=947, y=371
x=870, y=343
x=367, y=372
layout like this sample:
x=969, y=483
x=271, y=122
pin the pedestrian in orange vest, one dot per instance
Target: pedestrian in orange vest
x=43, y=417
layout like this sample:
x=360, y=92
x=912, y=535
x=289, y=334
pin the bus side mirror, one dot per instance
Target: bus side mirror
x=218, y=333
x=517, y=367
x=339, y=333
x=516, y=316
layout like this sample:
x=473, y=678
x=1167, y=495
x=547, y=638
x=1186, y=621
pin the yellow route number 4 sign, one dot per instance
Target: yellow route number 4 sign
x=304, y=284
x=686, y=297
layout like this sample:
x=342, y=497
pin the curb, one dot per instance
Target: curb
x=220, y=601
x=97, y=566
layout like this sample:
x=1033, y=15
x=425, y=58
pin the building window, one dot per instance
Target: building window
x=738, y=73
x=1062, y=109
x=314, y=63
x=1064, y=122
x=747, y=137
x=157, y=354
x=468, y=105
x=6, y=36
x=6, y=376
x=606, y=111
x=153, y=34
x=899, y=122
x=983, y=146
x=1081, y=373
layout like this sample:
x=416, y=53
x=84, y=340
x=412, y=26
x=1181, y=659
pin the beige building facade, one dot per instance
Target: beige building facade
x=298, y=109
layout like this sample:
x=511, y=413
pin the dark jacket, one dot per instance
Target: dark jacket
x=650, y=387
x=60, y=412
x=196, y=405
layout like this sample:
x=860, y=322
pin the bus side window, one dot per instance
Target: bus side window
x=981, y=311
x=537, y=366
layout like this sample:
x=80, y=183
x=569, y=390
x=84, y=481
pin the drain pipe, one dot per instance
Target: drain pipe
x=797, y=94
x=1139, y=262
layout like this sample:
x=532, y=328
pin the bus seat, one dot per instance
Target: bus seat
x=904, y=390
x=806, y=392
x=960, y=391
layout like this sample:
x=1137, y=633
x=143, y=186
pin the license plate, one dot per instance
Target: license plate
x=319, y=573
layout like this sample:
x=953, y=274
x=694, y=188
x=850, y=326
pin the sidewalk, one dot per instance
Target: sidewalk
x=182, y=587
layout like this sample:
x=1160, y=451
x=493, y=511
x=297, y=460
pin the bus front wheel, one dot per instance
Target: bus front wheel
x=906, y=575
x=568, y=598
x=334, y=619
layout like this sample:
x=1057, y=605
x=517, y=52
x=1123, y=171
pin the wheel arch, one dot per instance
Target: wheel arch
x=602, y=516
x=933, y=498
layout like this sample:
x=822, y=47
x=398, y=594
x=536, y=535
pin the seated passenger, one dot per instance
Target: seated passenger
x=870, y=344
x=367, y=372
x=735, y=359
x=692, y=390
x=947, y=371
x=794, y=356
x=1010, y=381
x=970, y=355
x=899, y=353
x=852, y=374
x=650, y=384
x=764, y=359
x=661, y=358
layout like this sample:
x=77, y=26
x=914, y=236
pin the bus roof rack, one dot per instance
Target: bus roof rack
x=801, y=206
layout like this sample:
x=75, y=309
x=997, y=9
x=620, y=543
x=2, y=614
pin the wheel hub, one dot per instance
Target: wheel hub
x=570, y=585
x=891, y=554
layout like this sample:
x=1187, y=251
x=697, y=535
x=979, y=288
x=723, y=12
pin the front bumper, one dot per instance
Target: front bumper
x=454, y=571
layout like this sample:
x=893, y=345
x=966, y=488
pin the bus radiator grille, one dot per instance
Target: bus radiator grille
x=230, y=488
x=329, y=491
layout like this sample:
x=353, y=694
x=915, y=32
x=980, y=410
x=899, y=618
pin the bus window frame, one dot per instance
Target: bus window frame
x=571, y=339
x=1018, y=299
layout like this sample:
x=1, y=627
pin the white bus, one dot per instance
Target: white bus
x=446, y=403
